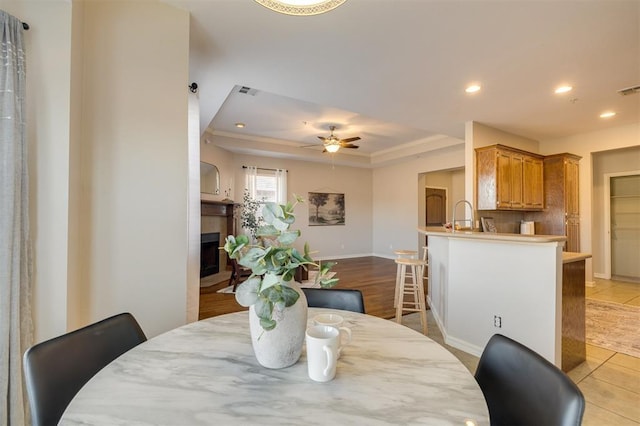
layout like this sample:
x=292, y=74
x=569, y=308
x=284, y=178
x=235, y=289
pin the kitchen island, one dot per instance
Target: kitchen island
x=486, y=283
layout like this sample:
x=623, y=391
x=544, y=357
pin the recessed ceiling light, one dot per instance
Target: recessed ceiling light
x=301, y=7
x=563, y=89
x=240, y=125
x=473, y=88
x=607, y=114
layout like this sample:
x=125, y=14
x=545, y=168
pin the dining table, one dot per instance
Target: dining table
x=206, y=373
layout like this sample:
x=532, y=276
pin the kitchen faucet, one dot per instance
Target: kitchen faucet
x=453, y=220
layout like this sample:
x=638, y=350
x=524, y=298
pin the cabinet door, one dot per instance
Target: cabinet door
x=503, y=180
x=517, y=164
x=533, y=183
x=571, y=176
x=572, y=229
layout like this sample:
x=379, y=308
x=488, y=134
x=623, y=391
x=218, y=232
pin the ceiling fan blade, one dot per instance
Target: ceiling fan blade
x=323, y=139
x=347, y=140
x=348, y=145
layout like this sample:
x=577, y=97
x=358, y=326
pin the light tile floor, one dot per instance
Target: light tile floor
x=610, y=381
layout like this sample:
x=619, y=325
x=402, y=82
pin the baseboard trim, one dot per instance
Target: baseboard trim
x=344, y=256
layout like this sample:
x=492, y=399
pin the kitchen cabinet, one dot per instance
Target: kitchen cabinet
x=508, y=179
x=562, y=203
x=533, y=183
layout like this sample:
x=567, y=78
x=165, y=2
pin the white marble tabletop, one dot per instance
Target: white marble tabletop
x=205, y=373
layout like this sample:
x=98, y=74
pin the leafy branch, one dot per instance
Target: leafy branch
x=273, y=263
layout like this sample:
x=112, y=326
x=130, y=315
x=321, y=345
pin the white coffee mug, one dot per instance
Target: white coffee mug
x=322, y=352
x=335, y=320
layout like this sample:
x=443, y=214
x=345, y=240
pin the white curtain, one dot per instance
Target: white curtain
x=281, y=186
x=251, y=178
x=15, y=260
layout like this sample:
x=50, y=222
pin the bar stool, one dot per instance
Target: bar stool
x=408, y=254
x=415, y=288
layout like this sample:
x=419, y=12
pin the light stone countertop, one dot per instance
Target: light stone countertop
x=490, y=236
x=205, y=373
x=569, y=256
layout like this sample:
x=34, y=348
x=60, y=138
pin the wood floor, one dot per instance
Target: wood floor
x=374, y=276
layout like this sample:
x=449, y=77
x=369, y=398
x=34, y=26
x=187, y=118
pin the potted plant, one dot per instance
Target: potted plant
x=277, y=306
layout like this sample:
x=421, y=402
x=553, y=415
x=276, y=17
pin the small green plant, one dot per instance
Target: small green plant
x=249, y=218
x=273, y=262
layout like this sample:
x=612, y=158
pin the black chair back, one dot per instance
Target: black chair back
x=56, y=369
x=523, y=388
x=333, y=298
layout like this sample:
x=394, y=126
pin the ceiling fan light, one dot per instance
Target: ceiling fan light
x=332, y=147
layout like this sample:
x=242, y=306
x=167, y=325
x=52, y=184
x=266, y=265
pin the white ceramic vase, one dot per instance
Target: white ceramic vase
x=282, y=346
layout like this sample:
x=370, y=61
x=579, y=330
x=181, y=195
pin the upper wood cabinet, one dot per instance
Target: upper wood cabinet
x=562, y=210
x=532, y=183
x=508, y=179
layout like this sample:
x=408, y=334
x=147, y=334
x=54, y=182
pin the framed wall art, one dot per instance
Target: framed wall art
x=326, y=209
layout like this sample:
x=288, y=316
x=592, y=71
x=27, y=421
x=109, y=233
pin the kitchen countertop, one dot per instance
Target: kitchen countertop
x=569, y=256
x=443, y=232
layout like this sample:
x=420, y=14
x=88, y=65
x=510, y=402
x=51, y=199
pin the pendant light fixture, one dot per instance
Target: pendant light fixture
x=301, y=7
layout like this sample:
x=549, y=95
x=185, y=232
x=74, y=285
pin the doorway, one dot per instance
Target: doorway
x=435, y=208
x=622, y=226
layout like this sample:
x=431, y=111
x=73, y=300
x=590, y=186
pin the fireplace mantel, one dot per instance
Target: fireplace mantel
x=219, y=208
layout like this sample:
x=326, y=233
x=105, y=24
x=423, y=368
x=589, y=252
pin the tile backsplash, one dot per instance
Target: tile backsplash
x=507, y=222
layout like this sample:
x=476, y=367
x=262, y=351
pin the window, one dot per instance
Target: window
x=266, y=185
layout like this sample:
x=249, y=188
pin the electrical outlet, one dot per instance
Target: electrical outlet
x=497, y=321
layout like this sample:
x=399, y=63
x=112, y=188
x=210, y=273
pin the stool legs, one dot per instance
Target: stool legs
x=399, y=302
x=415, y=289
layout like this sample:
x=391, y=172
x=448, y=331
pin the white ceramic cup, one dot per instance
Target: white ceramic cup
x=322, y=352
x=335, y=320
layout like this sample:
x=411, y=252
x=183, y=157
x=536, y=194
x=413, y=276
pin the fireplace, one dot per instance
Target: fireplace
x=209, y=254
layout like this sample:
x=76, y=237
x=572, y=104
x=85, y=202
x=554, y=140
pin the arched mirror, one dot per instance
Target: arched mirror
x=209, y=179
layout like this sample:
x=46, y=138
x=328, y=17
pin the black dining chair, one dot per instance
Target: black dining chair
x=523, y=388
x=334, y=298
x=56, y=369
x=238, y=274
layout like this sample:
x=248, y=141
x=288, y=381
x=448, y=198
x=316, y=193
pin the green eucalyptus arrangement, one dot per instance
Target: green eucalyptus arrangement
x=273, y=262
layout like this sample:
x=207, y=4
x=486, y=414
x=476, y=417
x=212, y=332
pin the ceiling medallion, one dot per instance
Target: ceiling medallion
x=301, y=7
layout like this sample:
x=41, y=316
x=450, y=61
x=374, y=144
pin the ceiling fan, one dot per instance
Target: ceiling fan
x=333, y=144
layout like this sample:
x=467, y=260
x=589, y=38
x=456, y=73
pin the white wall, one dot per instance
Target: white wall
x=395, y=200
x=585, y=145
x=472, y=280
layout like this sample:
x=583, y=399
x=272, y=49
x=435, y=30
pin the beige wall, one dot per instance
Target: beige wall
x=135, y=134
x=48, y=46
x=626, y=160
x=396, y=202
x=452, y=181
x=585, y=145
x=351, y=240
x=94, y=116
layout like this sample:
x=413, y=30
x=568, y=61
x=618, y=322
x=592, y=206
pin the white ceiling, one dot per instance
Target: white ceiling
x=394, y=71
